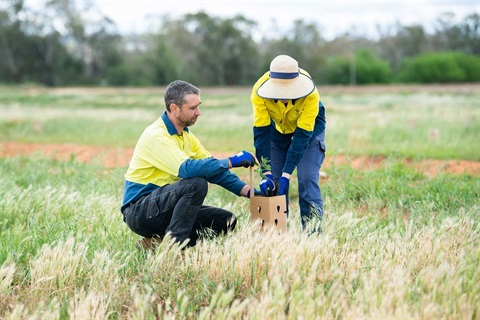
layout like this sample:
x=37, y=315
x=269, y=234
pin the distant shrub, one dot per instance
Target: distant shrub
x=470, y=64
x=368, y=69
x=371, y=69
x=441, y=67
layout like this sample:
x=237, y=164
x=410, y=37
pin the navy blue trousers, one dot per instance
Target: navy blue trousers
x=308, y=174
x=177, y=209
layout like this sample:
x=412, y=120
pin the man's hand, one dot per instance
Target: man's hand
x=267, y=187
x=242, y=159
x=282, y=186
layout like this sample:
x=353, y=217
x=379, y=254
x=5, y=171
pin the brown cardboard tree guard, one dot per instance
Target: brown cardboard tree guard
x=270, y=211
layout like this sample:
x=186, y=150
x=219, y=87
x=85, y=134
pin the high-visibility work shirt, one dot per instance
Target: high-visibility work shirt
x=300, y=119
x=162, y=157
x=302, y=114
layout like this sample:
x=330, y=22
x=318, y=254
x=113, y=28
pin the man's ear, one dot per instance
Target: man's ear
x=174, y=108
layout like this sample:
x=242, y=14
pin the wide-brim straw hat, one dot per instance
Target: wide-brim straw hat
x=286, y=82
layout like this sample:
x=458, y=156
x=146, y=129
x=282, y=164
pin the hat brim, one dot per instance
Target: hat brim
x=286, y=89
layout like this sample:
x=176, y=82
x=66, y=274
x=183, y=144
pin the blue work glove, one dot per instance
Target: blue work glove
x=267, y=187
x=242, y=159
x=282, y=186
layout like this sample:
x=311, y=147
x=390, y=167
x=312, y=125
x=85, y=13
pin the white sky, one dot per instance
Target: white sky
x=332, y=17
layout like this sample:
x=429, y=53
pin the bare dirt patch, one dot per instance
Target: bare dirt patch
x=120, y=157
x=109, y=157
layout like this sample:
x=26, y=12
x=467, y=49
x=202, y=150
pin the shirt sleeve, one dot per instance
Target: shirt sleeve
x=303, y=132
x=301, y=138
x=261, y=122
x=215, y=171
x=229, y=181
x=297, y=149
x=261, y=142
x=205, y=168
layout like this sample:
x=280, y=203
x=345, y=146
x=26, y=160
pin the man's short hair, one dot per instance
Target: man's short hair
x=176, y=92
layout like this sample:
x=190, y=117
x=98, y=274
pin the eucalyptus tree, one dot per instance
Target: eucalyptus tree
x=213, y=51
x=88, y=34
x=31, y=48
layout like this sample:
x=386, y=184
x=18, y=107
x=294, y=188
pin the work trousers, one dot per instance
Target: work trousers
x=177, y=209
x=308, y=174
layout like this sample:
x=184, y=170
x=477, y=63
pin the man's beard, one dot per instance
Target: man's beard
x=187, y=122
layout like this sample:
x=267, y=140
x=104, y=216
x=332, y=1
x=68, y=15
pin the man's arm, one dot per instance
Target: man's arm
x=205, y=168
x=229, y=181
x=215, y=171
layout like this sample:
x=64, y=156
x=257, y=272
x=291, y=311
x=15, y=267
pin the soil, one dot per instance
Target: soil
x=120, y=157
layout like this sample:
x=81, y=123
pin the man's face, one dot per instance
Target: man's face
x=190, y=110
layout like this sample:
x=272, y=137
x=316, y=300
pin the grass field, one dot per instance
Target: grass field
x=396, y=243
x=442, y=124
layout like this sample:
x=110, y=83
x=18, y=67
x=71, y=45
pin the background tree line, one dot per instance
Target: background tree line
x=71, y=43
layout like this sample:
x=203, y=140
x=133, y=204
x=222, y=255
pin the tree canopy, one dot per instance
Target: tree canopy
x=71, y=43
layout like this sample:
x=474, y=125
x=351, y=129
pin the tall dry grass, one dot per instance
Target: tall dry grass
x=357, y=268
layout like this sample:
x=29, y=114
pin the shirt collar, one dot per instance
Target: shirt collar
x=293, y=101
x=170, y=127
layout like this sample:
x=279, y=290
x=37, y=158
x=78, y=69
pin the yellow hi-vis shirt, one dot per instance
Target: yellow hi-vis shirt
x=302, y=114
x=159, y=153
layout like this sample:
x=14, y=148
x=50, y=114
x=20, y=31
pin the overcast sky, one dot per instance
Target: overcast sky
x=332, y=17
